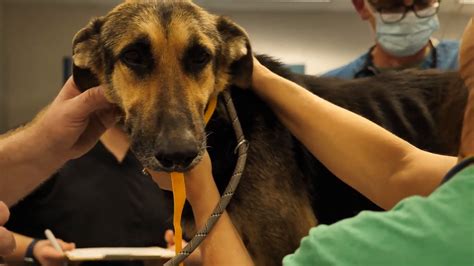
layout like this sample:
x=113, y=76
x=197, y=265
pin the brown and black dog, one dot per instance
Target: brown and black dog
x=163, y=60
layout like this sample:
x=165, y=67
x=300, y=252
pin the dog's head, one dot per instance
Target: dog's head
x=161, y=62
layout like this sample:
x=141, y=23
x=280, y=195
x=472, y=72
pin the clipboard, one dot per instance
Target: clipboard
x=122, y=253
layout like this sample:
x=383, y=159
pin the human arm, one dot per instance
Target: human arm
x=193, y=260
x=433, y=230
x=466, y=59
x=380, y=165
x=43, y=251
x=223, y=245
x=66, y=129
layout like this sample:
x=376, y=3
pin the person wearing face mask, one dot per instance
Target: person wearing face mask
x=403, y=30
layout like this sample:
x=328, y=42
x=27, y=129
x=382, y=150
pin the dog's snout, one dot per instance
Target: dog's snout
x=178, y=154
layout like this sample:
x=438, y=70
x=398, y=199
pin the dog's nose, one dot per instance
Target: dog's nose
x=177, y=155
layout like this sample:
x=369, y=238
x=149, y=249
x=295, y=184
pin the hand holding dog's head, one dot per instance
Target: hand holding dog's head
x=162, y=61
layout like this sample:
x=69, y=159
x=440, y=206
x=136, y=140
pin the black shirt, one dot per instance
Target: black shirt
x=95, y=201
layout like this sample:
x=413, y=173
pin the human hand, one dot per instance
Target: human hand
x=169, y=238
x=73, y=123
x=193, y=259
x=162, y=179
x=195, y=179
x=199, y=180
x=47, y=255
x=259, y=71
x=7, y=241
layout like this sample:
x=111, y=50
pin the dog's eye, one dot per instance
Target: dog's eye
x=133, y=58
x=201, y=58
x=196, y=58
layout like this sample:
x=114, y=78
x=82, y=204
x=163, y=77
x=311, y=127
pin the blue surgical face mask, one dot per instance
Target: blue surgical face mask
x=406, y=37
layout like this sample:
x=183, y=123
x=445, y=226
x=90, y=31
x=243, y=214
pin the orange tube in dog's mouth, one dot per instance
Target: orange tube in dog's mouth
x=179, y=199
x=179, y=188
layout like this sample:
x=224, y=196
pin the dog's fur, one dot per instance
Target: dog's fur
x=163, y=60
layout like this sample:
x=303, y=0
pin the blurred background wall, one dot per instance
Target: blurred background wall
x=35, y=36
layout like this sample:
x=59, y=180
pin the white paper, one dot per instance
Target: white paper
x=82, y=254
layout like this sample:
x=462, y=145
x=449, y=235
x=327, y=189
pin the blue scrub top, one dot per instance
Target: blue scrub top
x=447, y=59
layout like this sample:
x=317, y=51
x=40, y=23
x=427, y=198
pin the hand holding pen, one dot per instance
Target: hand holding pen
x=50, y=254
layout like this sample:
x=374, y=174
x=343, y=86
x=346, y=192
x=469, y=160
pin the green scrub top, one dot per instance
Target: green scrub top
x=419, y=231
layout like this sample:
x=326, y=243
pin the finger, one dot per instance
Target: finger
x=109, y=117
x=4, y=213
x=89, y=101
x=52, y=254
x=169, y=237
x=255, y=61
x=98, y=124
x=66, y=246
x=91, y=135
x=69, y=90
x=162, y=179
x=7, y=242
x=202, y=168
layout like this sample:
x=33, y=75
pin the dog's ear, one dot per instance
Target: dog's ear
x=87, y=56
x=237, y=51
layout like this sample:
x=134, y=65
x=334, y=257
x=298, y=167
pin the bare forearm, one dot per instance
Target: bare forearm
x=24, y=164
x=361, y=153
x=22, y=243
x=223, y=245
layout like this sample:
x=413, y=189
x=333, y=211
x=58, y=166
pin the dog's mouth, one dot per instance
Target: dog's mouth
x=150, y=161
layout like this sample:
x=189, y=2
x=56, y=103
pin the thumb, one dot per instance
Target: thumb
x=4, y=213
x=69, y=90
x=90, y=101
x=169, y=237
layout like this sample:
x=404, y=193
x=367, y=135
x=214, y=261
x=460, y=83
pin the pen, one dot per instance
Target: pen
x=52, y=239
